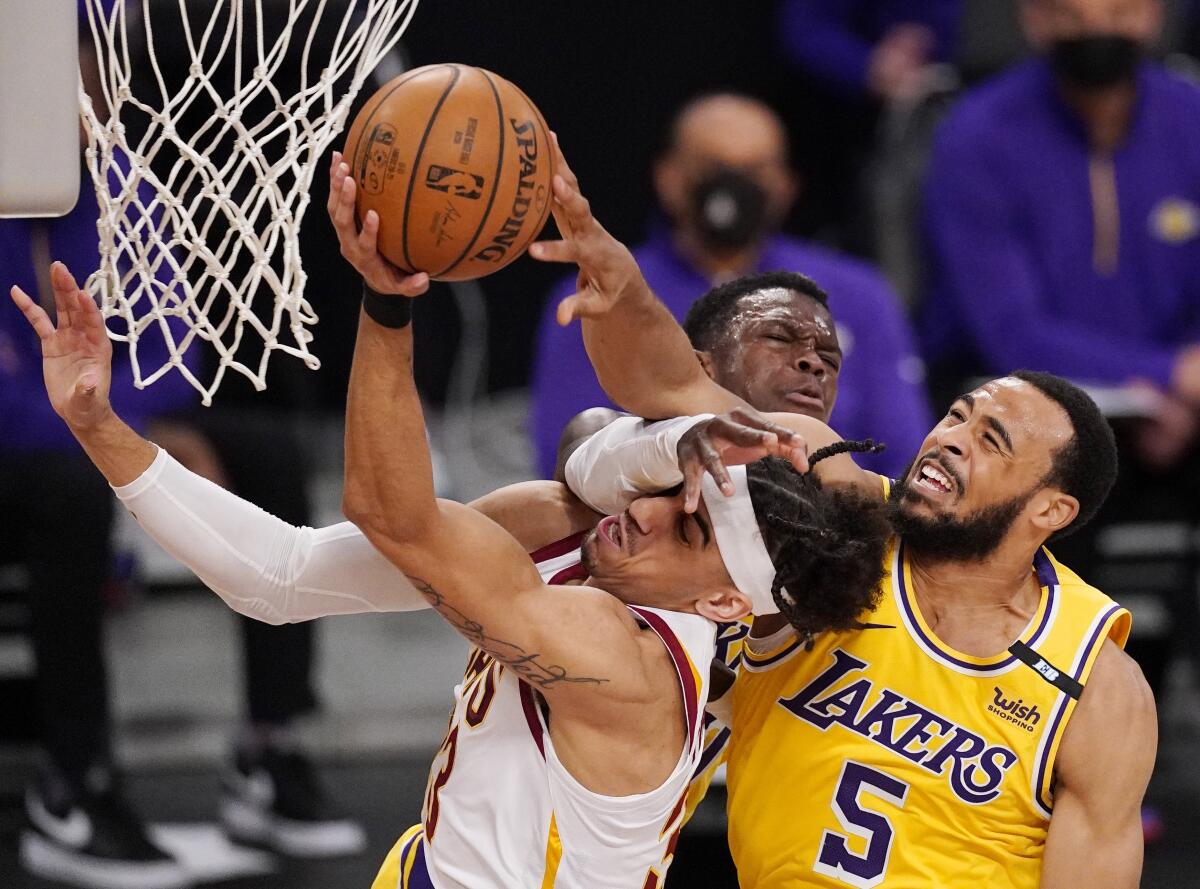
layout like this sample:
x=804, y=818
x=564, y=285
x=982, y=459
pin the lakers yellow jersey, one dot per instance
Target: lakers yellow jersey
x=882, y=757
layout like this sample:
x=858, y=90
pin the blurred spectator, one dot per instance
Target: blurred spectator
x=724, y=184
x=1063, y=223
x=870, y=48
x=1063, y=209
x=853, y=60
x=56, y=523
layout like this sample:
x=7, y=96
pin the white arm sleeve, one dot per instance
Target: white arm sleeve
x=627, y=459
x=261, y=566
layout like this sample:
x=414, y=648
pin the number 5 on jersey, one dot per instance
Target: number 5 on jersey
x=836, y=859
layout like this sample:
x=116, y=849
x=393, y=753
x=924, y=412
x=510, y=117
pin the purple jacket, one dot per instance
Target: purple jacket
x=880, y=394
x=27, y=422
x=833, y=39
x=1018, y=275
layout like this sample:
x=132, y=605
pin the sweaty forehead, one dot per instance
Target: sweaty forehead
x=1028, y=414
x=781, y=304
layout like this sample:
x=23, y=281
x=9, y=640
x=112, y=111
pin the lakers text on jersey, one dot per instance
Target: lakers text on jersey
x=881, y=757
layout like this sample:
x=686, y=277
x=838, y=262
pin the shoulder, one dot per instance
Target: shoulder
x=1098, y=612
x=1172, y=85
x=1116, y=694
x=986, y=111
x=1174, y=97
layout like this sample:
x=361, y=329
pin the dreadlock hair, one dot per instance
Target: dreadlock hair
x=1086, y=466
x=711, y=313
x=827, y=546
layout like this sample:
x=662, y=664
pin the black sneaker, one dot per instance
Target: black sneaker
x=273, y=799
x=89, y=836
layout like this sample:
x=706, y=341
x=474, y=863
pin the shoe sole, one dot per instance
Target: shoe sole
x=248, y=824
x=50, y=861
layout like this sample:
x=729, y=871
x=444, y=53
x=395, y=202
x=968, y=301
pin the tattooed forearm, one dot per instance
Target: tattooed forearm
x=527, y=665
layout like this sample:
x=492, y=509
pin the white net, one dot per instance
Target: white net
x=203, y=178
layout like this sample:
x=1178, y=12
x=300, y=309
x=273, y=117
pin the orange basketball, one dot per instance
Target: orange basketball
x=457, y=163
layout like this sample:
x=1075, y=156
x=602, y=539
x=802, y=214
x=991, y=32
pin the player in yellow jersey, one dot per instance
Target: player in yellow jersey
x=964, y=735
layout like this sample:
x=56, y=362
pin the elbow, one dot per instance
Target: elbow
x=364, y=515
x=364, y=510
x=401, y=537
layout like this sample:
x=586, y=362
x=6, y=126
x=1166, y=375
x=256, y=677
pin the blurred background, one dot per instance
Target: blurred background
x=975, y=191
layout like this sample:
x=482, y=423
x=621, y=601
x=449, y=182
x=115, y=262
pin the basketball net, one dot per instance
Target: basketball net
x=212, y=238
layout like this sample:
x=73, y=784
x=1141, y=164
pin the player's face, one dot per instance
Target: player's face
x=780, y=352
x=983, y=463
x=655, y=554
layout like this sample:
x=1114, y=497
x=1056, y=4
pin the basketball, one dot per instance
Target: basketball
x=457, y=163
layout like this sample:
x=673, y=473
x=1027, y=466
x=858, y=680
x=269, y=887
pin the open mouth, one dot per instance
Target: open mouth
x=610, y=531
x=933, y=479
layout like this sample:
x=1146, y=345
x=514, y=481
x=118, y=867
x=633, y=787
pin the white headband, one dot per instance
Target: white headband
x=740, y=540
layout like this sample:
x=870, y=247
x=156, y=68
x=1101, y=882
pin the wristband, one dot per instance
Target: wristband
x=387, y=311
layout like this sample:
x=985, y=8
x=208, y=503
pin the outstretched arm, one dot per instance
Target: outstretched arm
x=477, y=576
x=578, y=645
x=642, y=357
x=630, y=457
x=260, y=566
x=1101, y=775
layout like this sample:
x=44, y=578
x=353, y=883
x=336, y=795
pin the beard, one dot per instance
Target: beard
x=945, y=538
x=587, y=553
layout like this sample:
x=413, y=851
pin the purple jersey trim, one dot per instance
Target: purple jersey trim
x=1047, y=577
x=711, y=751
x=754, y=663
x=1042, y=793
x=412, y=858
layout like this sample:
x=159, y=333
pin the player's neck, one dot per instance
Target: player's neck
x=1003, y=580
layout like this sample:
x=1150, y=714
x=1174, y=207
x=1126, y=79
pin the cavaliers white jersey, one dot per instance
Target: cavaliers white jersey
x=501, y=811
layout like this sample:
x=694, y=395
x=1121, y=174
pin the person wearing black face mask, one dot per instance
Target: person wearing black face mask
x=1095, y=61
x=724, y=186
x=1063, y=224
x=729, y=210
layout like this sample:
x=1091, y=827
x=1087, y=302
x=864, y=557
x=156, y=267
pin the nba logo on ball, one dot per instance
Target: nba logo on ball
x=456, y=162
x=455, y=182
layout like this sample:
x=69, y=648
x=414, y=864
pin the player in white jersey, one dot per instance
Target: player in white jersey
x=536, y=824
x=602, y=727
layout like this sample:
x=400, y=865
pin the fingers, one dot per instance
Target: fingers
x=554, y=251
x=92, y=322
x=66, y=295
x=34, y=314
x=343, y=212
x=576, y=209
x=578, y=306
x=368, y=238
x=693, y=475
x=561, y=167
x=698, y=456
x=757, y=421
x=796, y=454
x=742, y=436
x=339, y=172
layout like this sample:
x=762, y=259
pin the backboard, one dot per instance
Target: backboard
x=40, y=147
